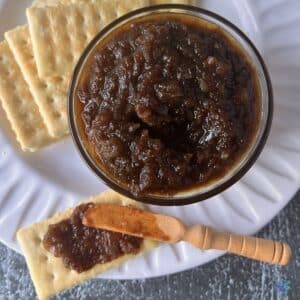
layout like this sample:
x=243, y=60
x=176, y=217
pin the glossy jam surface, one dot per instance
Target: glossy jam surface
x=168, y=104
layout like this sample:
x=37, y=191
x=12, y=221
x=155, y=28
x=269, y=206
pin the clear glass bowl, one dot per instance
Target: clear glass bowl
x=246, y=161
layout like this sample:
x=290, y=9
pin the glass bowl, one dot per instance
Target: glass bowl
x=247, y=160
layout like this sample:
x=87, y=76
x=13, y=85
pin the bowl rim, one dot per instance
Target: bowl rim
x=179, y=200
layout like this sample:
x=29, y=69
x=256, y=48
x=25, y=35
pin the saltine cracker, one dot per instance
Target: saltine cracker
x=19, y=105
x=51, y=94
x=60, y=33
x=48, y=273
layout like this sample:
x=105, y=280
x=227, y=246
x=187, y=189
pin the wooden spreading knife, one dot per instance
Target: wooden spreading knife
x=146, y=224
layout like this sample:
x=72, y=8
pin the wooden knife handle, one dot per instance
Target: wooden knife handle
x=268, y=251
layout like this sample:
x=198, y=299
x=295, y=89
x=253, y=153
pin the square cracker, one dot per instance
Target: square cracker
x=51, y=94
x=18, y=104
x=48, y=272
x=60, y=33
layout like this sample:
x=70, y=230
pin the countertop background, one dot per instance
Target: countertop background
x=228, y=277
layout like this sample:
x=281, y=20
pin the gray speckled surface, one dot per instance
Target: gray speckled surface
x=229, y=277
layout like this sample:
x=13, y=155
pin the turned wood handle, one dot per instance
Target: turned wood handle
x=269, y=251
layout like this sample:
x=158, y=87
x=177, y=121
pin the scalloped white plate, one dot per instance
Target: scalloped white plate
x=34, y=186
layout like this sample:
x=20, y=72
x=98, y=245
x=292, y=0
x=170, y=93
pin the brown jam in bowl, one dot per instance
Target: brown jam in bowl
x=167, y=103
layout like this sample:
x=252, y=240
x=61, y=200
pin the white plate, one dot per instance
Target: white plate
x=34, y=186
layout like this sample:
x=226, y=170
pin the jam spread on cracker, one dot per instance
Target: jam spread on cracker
x=81, y=247
x=167, y=104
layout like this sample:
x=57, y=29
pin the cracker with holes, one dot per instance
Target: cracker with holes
x=60, y=33
x=19, y=105
x=51, y=94
x=52, y=274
